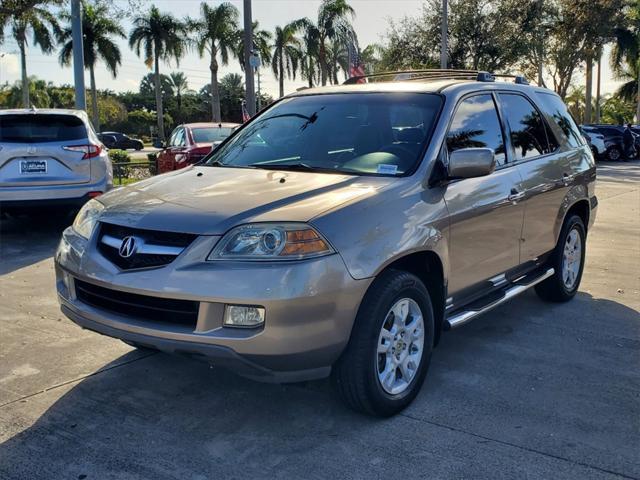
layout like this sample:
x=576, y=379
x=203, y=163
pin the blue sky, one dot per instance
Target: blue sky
x=370, y=22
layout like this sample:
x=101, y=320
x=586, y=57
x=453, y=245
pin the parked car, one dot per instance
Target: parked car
x=190, y=143
x=612, y=138
x=50, y=157
x=120, y=141
x=596, y=143
x=341, y=231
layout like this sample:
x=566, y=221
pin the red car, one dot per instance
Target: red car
x=189, y=143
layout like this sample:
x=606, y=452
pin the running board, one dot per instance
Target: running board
x=516, y=289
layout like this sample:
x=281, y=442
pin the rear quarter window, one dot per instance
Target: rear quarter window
x=566, y=128
x=41, y=128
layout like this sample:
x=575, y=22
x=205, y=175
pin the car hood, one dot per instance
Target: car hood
x=211, y=200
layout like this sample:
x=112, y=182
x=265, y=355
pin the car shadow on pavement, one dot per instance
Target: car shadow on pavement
x=534, y=386
x=28, y=239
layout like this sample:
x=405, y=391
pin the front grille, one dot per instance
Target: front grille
x=151, y=238
x=140, y=307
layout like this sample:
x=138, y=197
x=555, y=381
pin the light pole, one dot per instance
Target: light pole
x=444, y=32
x=78, y=54
x=248, y=69
x=2, y=54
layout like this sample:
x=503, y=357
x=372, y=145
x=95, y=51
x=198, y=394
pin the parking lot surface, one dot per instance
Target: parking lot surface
x=530, y=390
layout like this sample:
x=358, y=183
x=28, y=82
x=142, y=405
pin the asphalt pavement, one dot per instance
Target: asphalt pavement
x=530, y=390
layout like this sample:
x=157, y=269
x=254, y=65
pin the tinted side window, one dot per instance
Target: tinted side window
x=476, y=124
x=555, y=107
x=40, y=128
x=528, y=133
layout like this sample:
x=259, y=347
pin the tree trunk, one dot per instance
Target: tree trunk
x=281, y=74
x=310, y=74
x=159, y=110
x=25, y=79
x=215, y=92
x=322, y=57
x=598, y=87
x=589, y=87
x=94, y=99
x=179, y=99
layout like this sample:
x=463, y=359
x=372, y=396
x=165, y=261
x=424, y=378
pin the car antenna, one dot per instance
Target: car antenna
x=219, y=125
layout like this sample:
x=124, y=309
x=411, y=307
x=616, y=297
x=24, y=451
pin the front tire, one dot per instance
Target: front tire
x=568, y=262
x=385, y=363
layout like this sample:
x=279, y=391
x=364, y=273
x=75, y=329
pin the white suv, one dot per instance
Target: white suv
x=50, y=157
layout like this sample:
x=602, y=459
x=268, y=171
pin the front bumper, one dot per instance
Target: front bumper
x=310, y=308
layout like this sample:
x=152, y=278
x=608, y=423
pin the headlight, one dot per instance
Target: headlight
x=87, y=218
x=271, y=241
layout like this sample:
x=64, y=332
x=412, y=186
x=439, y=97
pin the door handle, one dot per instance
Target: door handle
x=566, y=179
x=515, y=195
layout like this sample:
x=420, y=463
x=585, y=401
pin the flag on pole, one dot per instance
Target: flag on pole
x=356, y=68
x=245, y=114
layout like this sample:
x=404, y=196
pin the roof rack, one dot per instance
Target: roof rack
x=436, y=74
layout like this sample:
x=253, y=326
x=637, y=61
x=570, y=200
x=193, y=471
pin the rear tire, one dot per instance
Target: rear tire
x=386, y=342
x=614, y=154
x=567, y=260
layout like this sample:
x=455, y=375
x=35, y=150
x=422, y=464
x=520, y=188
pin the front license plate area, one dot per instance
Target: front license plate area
x=30, y=167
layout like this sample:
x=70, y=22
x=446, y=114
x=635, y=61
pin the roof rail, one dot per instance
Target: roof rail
x=435, y=74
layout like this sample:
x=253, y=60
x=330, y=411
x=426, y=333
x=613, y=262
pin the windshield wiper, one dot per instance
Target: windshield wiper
x=300, y=167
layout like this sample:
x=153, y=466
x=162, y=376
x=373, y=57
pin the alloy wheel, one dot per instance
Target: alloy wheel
x=571, y=259
x=400, y=346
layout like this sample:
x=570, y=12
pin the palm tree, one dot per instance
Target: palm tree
x=625, y=57
x=310, y=70
x=41, y=24
x=261, y=44
x=148, y=86
x=287, y=52
x=158, y=36
x=179, y=86
x=98, y=30
x=337, y=58
x=333, y=25
x=216, y=34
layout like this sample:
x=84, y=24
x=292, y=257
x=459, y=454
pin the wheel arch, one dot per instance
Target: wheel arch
x=580, y=207
x=428, y=267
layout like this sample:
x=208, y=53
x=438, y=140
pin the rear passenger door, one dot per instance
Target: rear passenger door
x=545, y=168
x=485, y=220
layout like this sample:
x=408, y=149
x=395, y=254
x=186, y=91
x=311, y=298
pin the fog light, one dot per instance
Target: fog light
x=242, y=316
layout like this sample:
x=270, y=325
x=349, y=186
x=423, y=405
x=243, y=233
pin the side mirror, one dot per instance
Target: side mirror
x=471, y=162
x=159, y=144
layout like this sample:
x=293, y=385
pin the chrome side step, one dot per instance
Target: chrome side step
x=466, y=316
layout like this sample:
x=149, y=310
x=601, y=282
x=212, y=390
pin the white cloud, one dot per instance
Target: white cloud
x=9, y=67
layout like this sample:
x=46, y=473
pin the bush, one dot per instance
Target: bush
x=119, y=156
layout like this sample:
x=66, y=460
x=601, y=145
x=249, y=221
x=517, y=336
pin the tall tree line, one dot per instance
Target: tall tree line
x=561, y=37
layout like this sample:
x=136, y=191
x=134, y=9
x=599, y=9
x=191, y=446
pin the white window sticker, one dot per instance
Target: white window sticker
x=386, y=169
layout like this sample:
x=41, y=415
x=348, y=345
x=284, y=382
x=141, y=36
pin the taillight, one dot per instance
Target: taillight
x=89, y=151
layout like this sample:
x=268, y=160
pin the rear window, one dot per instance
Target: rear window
x=528, y=132
x=555, y=107
x=210, y=135
x=41, y=128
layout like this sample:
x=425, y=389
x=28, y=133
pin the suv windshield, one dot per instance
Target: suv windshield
x=210, y=134
x=40, y=128
x=359, y=133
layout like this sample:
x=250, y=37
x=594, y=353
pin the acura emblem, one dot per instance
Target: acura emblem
x=127, y=247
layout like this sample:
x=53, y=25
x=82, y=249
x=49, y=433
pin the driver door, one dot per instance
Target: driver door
x=167, y=157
